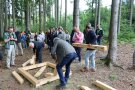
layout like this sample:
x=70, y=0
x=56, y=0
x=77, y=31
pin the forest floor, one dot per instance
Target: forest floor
x=121, y=79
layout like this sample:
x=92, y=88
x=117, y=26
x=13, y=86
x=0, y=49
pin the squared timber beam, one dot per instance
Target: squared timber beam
x=97, y=47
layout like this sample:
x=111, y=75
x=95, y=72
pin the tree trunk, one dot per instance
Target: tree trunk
x=98, y=15
x=92, y=8
x=22, y=15
x=6, y=16
x=76, y=13
x=13, y=13
x=40, y=16
x=60, y=13
x=57, y=12
x=96, y=12
x=119, y=17
x=1, y=18
x=112, y=52
x=27, y=22
x=9, y=15
x=65, y=14
x=44, y=18
x=131, y=11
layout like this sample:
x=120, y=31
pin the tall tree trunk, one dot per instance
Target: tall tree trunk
x=40, y=16
x=76, y=13
x=13, y=13
x=44, y=18
x=112, y=52
x=96, y=12
x=60, y=13
x=131, y=11
x=1, y=18
x=6, y=16
x=27, y=22
x=22, y=15
x=9, y=13
x=119, y=17
x=65, y=14
x=98, y=15
x=57, y=13
x=92, y=8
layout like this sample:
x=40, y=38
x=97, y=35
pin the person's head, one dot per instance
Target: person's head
x=60, y=29
x=31, y=45
x=10, y=29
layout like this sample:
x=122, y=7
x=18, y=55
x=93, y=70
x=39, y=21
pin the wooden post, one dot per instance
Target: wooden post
x=103, y=85
x=18, y=77
x=84, y=88
x=40, y=71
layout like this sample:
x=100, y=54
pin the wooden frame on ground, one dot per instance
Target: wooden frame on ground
x=33, y=79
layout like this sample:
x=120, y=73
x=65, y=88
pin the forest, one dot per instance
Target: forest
x=115, y=66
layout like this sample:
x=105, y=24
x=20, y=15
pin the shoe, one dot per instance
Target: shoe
x=93, y=70
x=8, y=68
x=85, y=69
x=13, y=65
x=60, y=87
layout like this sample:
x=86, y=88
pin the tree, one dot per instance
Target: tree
x=112, y=52
x=6, y=16
x=27, y=18
x=98, y=13
x=76, y=13
x=65, y=14
x=13, y=13
x=131, y=11
x=44, y=18
x=1, y=18
x=119, y=17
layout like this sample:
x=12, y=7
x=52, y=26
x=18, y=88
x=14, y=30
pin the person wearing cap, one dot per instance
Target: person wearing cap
x=38, y=46
x=64, y=54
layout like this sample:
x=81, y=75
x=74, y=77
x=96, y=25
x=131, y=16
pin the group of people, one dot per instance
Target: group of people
x=59, y=44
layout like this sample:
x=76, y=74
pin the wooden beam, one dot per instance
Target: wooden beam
x=40, y=71
x=84, y=88
x=49, y=75
x=33, y=60
x=97, y=47
x=103, y=85
x=18, y=77
x=26, y=63
x=34, y=66
x=51, y=65
x=28, y=76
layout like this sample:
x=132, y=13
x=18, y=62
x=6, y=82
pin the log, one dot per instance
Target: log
x=103, y=85
x=84, y=88
x=49, y=75
x=34, y=66
x=40, y=71
x=97, y=47
x=26, y=63
x=27, y=75
x=18, y=77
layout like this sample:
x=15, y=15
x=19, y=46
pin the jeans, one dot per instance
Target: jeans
x=99, y=40
x=78, y=51
x=39, y=55
x=67, y=60
x=90, y=54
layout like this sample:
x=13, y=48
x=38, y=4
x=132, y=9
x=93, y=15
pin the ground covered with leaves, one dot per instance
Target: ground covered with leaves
x=121, y=79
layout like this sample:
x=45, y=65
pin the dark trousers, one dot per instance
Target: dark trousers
x=99, y=40
x=78, y=51
x=39, y=55
x=67, y=60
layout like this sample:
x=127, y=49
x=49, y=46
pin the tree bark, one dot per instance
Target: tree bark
x=13, y=13
x=119, y=17
x=6, y=16
x=65, y=14
x=1, y=18
x=44, y=18
x=131, y=11
x=40, y=16
x=76, y=13
x=112, y=52
x=96, y=12
x=27, y=22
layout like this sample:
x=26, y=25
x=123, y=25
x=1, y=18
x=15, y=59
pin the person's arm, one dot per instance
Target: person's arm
x=53, y=51
x=6, y=38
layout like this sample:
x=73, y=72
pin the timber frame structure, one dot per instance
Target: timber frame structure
x=34, y=80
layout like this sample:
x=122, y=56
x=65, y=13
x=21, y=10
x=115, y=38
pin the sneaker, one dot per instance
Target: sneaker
x=93, y=70
x=85, y=69
x=60, y=87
